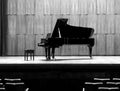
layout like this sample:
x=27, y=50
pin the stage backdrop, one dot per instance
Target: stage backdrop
x=31, y=20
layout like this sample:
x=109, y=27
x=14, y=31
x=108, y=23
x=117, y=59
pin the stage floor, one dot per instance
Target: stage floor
x=62, y=60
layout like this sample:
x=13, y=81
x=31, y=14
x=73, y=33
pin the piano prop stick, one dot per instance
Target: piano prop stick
x=64, y=34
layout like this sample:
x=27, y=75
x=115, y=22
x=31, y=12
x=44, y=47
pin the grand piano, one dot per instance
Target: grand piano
x=65, y=34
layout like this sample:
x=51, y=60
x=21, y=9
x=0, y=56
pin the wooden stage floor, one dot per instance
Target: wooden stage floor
x=81, y=63
x=62, y=60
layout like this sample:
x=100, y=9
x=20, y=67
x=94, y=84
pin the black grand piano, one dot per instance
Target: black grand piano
x=66, y=34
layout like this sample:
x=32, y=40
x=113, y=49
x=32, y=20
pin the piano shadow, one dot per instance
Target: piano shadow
x=68, y=59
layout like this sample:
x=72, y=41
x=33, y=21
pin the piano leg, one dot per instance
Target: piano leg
x=48, y=53
x=53, y=52
x=90, y=51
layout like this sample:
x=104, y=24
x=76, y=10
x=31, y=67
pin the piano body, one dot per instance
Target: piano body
x=64, y=34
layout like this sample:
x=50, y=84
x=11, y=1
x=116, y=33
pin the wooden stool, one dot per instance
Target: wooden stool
x=27, y=53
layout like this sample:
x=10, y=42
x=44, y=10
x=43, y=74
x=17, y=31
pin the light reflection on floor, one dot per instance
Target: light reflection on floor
x=62, y=60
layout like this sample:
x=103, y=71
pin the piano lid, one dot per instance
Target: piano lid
x=60, y=22
x=64, y=30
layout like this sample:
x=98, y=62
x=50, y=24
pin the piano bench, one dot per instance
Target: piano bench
x=28, y=53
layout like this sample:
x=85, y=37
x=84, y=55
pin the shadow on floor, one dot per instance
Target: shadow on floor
x=68, y=59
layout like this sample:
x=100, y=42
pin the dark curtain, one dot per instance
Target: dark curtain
x=3, y=26
x=0, y=28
